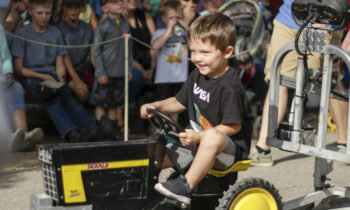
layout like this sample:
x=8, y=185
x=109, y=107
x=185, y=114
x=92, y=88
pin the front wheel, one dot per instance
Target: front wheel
x=251, y=193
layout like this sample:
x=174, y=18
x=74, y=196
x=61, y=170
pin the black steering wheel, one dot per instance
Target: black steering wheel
x=165, y=124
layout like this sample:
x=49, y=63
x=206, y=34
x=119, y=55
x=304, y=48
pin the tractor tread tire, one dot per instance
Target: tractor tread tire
x=253, y=182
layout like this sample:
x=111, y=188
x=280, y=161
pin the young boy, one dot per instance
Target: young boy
x=215, y=100
x=37, y=63
x=78, y=61
x=172, y=64
x=108, y=91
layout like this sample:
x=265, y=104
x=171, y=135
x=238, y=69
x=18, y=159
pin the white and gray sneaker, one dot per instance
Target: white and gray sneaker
x=32, y=138
x=16, y=141
x=176, y=189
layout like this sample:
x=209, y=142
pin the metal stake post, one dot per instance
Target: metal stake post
x=126, y=86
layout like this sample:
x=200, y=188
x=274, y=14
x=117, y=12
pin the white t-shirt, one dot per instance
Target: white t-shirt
x=172, y=64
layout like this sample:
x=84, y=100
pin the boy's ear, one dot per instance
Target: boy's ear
x=104, y=8
x=228, y=52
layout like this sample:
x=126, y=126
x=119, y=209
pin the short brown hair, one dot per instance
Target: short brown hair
x=172, y=5
x=214, y=27
x=40, y=2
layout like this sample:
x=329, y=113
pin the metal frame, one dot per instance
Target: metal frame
x=314, y=39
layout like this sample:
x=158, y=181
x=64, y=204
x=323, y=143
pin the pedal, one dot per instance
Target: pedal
x=176, y=203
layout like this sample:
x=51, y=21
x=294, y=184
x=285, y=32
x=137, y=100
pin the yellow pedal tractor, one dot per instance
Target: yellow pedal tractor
x=122, y=175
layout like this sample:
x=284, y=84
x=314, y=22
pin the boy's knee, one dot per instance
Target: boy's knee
x=213, y=138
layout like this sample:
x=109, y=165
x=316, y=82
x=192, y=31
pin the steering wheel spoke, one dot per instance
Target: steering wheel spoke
x=165, y=124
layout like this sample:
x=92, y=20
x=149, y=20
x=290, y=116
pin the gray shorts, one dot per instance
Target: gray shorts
x=182, y=156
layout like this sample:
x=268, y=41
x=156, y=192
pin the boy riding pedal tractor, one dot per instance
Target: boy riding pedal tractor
x=218, y=110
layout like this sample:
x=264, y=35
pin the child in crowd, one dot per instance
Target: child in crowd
x=108, y=91
x=13, y=95
x=172, y=63
x=37, y=63
x=217, y=107
x=211, y=6
x=78, y=61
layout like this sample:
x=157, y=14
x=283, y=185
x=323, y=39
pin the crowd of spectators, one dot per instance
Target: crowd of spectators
x=93, y=77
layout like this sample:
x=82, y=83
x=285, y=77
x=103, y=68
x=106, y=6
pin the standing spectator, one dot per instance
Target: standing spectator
x=37, y=63
x=78, y=60
x=285, y=30
x=172, y=47
x=108, y=90
x=21, y=139
x=142, y=28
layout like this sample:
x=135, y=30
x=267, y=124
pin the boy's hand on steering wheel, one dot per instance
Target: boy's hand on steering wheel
x=190, y=137
x=144, y=111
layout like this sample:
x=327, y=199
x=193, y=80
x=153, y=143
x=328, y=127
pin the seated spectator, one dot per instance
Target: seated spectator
x=78, y=60
x=88, y=15
x=21, y=139
x=37, y=63
x=212, y=6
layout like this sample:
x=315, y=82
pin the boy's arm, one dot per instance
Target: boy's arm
x=79, y=87
x=19, y=68
x=168, y=106
x=229, y=129
x=160, y=41
x=191, y=137
x=99, y=70
x=60, y=69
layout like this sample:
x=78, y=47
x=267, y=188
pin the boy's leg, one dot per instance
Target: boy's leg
x=205, y=157
x=180, y=188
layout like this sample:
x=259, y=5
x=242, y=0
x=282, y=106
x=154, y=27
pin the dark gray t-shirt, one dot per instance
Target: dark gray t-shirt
x=37, y=57
x=80, y=35
x=110, y=58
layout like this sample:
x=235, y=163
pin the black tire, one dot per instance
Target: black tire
x=242, y=195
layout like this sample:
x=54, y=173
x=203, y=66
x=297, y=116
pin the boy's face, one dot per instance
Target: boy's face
x=213, y=5
x=72, y=11
x=191, y=4
x=172, y=16
x=131, y=4
x=209, y=60
x=41, y=14
x=114, y=7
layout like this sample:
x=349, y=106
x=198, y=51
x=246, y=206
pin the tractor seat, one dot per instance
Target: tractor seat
x=241, y=165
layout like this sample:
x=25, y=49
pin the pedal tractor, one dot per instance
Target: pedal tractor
x=122, y=175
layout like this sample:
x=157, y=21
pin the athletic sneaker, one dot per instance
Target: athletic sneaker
x=32, y=138
x=16, y=141
x=260, y=159
x=176, y=189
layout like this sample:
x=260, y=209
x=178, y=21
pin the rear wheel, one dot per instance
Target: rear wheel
x=251, y=193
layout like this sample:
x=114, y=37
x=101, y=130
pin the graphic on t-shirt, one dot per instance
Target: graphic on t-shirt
x=203, y=95
x=177, y=58
x=48, y=49
x=202, y=121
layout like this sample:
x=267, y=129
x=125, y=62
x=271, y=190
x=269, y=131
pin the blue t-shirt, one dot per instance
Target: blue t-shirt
x=284, y=15
x=37, y=57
